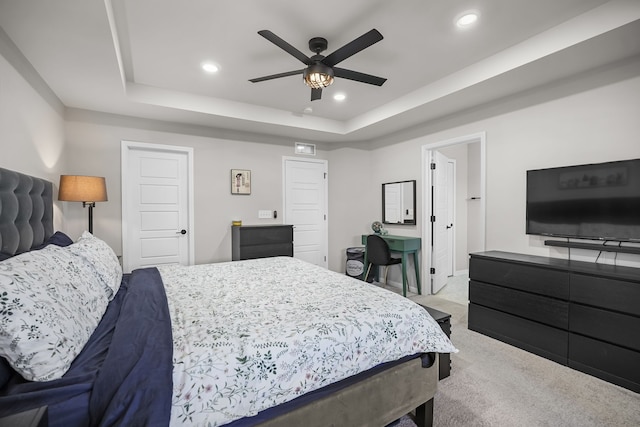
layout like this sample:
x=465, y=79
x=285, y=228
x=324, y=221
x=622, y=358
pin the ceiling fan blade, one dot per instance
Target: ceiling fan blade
x=359, y=77
x=285, y=46
x=276, y=76
x=316, y=94
x=353, y=47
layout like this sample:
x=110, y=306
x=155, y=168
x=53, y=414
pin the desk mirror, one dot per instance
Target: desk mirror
x=399, y=203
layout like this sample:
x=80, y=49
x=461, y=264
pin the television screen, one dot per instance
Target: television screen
x=594, y=201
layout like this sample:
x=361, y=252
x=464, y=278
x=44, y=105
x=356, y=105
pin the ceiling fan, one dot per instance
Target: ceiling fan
x=321, y=70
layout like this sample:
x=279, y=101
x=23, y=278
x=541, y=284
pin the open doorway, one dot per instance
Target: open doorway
x=464, y=230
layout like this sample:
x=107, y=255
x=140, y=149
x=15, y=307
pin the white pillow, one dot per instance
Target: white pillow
x=102, y=258
x=50, y=303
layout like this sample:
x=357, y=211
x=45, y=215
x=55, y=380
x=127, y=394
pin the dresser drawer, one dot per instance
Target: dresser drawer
x=266, y=235
x=265, y=251
x=543, y=281
x=542, y=309
x=607, y=361
x=613, y=294
x=616, y=328
x=402, y=245
x=399, y=243
x=528, y=335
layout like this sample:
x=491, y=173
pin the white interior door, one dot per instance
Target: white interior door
x=157, y=205
x=439, y=221
x=305, y=207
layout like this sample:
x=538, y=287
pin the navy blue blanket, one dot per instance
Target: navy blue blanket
x=123, y=376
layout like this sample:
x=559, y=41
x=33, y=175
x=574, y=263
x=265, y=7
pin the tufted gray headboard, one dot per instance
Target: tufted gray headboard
x=26, y=212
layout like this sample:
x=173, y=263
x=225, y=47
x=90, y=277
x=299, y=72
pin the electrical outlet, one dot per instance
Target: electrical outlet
x=264, y=214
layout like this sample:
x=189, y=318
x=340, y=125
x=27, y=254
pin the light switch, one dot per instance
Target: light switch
x=265, y=214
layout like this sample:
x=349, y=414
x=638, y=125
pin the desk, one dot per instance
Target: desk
x=405, y=245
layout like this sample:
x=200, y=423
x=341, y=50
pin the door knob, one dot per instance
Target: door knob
x=183, y=231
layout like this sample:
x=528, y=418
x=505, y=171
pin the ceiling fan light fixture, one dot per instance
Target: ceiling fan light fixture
x=318, y=76
x=320, y=70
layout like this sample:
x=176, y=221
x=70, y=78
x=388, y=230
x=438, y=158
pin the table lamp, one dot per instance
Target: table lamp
x=85, y=189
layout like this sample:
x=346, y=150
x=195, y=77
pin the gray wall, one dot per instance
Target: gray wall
x=95, y=148
x=556, y=126
x=578, y=121
x=31, y=130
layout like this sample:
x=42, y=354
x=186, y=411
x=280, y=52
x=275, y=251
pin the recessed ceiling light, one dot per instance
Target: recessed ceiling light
x=307, y=110
x=339, y=96
x=467, y=19
x=210, y=67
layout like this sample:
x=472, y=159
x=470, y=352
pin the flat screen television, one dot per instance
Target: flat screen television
x=595, y=201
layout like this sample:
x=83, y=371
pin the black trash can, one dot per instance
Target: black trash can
x=355, y=262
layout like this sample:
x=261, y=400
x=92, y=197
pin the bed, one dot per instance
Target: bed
x=266, y=342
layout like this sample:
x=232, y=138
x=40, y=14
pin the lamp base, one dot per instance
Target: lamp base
x=91, y=205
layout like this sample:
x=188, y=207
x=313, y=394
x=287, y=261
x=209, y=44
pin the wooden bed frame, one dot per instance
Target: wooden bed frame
x=375, y=401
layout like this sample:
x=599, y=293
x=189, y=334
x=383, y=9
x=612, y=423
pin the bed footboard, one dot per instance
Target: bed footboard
x=375, y=402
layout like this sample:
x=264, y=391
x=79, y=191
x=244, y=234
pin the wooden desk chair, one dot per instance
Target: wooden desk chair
x=378, y=253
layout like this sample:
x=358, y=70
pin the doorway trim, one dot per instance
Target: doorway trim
x=125, y=150
x=453, y=189
x=479, y=137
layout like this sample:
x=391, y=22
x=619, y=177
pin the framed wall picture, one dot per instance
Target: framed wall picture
x=240, y=181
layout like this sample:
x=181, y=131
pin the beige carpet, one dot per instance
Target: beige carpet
x=495, y=384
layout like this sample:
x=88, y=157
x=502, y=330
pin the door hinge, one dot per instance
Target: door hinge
x=325, y=175
x=433, y=166
x=325, y=258
x=325, y=217
x=433, y=218
x=432, y=270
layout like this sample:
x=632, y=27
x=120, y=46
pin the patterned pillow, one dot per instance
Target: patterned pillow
x=50, y=303
x=102, y=258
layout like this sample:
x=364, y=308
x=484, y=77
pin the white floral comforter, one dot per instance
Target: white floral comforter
x=249, y=335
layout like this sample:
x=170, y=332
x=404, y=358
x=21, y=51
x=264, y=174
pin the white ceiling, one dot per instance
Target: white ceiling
x=142, y=58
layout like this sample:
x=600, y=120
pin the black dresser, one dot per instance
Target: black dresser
x=261, y=241
x=583, y=315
